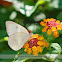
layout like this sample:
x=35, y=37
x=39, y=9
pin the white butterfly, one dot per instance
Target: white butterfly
x=18, y=35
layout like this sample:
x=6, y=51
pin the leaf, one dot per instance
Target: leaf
x=59, y=16
x=57, y=47
x=50, y=38
x=47, y=37
x=60, y=4
x=2, y=34
x=4, y=16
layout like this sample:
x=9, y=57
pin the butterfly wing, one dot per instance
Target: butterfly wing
x=17, y=40
x=13, y=27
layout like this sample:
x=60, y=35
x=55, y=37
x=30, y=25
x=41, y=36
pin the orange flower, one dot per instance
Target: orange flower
x=52, y=24
x=53, y=28
x=48, y=19
x=39, y=49
x=61, y=26
x=40, y=43
x=44, y=29
x=45, y=20
x=42, y=23
x=29, y=51
x=35, y=35
x=35, y=54
x=26, y=45
x=55, y=33
x=35, y=45
x=58, y=27
x=49, y=32
x=25, y=49
x=58, y=22
x=35, y=51
x=34, y=48
x=45, y=44
x=56, y=36
x=51, y=19
x=40, y=37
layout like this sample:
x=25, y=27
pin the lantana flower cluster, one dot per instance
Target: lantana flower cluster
x=51, y=25
x=35, y=44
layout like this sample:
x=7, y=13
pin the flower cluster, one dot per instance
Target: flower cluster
x=35, y=44
x=51, y=25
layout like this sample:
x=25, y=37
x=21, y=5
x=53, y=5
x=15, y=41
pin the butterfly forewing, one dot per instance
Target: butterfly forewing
x=13, y=27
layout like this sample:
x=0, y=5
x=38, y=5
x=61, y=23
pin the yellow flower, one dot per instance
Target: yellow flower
x=30, y=48
x=53, y=28
x=58, y=22
x=29, y=51
x=61, y=26
x=45, y=44
x=42, y=23
x=40, y=38
x=58, y=27
x=48, y=19
x=35, y=35
x=44, y=29
x=35, y=51
x=52, y=19
x=34, y=48
x=56, y=36
x=45, y=20
x=39, y=49
x=49, y=32
x=55, y=33
x=26, y=45
x=25, y=49
x=35, y=54
x=40, y=43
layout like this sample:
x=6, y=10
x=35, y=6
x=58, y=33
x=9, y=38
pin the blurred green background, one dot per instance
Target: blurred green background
x=27, y=13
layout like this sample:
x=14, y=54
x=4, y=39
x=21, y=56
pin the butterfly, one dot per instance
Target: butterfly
x=18, y=35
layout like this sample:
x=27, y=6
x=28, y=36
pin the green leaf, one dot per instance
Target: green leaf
x=2, y=34
x=47, y=37
x=59, y=4
x=4, y=16
x=50, y=38
x=57, y=47
x=59, y=16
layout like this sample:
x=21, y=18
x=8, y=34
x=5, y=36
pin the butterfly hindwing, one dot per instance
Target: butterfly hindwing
x=17, y=40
